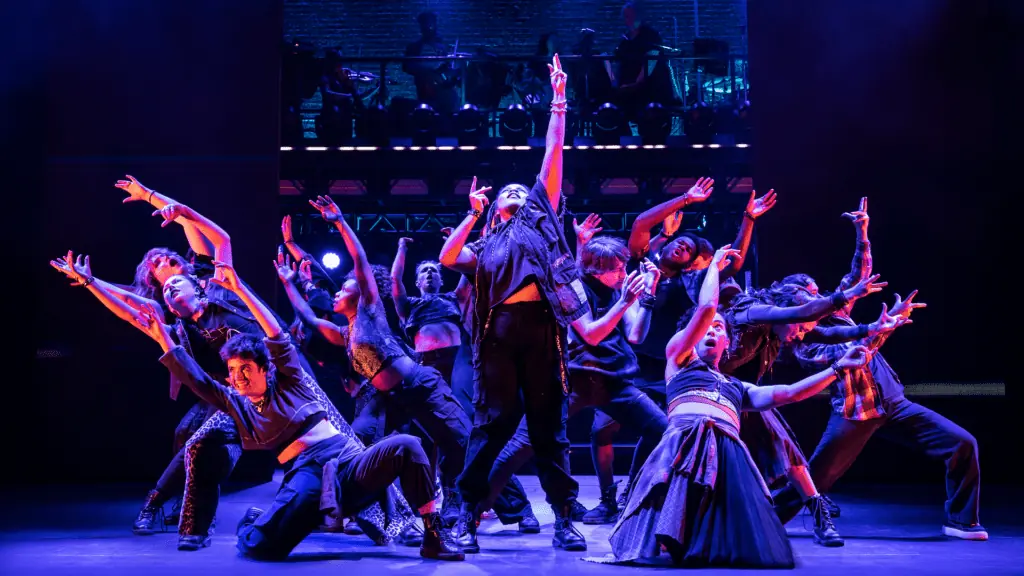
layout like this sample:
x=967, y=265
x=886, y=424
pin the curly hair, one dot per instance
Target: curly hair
x=145, y=283
x=799, y=279
x=381, y=275
x=246, y=347
x=781, y=294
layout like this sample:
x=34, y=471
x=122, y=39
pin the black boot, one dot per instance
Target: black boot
x=193, y=542
x=567, y=537
x=437, y=540
x=578, y=511
x=465, y=529
x=250, y=517
x=529, y=524
x=451, y=506
x=833, y=508
x=825, y=532
x=150, y=517
x=607, y=511
x=174, y=516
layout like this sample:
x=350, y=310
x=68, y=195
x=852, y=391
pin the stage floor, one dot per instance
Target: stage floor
x=889, y=529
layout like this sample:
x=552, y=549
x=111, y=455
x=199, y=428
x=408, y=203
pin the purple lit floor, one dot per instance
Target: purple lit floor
x=86, y=531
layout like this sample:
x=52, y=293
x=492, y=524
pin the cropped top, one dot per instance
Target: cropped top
x=432, y=309
x=371, y=345
x=700, y=381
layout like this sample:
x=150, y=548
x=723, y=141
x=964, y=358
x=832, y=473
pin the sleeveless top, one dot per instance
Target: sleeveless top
x=432, y=309
x=699, y=379
x=371, y=345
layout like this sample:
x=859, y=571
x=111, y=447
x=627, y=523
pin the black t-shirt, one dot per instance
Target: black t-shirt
x=203, y=338
x=431, y=309
x=612, y=356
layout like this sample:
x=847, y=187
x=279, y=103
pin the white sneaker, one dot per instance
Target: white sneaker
x=964, y=532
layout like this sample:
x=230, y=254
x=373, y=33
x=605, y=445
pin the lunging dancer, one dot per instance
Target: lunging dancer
x=272, y=402
x=870, y=399
x=527, y=292
x=377, y=355
x=760, y=323
x=699, y=494
x=433, y=323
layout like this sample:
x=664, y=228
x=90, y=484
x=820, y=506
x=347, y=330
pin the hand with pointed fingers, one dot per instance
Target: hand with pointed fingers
x=286, y=269
x=756, y=207
x=170, y=212
x=860, y=218
x=905, y=307
x=327, y=208
x=558, y=78
x=584, y=232
x=79, y=272
x=478, y=198
x=700, y=191
x=724, y=256
x=652, y=275
x=866, y=286
x=136, y=191
x=226, y=277
x=306, y=270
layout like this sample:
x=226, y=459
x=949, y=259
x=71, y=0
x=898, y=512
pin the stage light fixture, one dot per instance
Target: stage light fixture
x=331, y=260
x=469, y=125
x=516, y=125
x=655, y=124
x=423, y=121
x=608, y=123
x=699, y=123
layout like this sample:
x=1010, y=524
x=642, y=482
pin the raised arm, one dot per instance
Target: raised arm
x=669, y=227
x=264, y=317
x=756, y=207
x=397, y=284
x=681, y=345
x=360, y=264
x=759, y=398
x=216, y=235
x=454, y=254
x=860, y=268
x=593, y=331
x=638, y=317
x=125, y=308
x=137, y=192
x=551, y=167
x=640, y=233
x=815, y=309
x=329, y=330
x=584, y=233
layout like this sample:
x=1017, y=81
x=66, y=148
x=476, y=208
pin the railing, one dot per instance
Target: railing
x=494, y=83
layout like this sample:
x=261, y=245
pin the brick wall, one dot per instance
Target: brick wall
x=507, y=27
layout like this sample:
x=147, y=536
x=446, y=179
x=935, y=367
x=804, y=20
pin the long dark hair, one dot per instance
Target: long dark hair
x=145, y=283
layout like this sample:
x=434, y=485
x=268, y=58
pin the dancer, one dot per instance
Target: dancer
x=699, y=493
x=601, y=363
x=760, y=324
x=871, y=399
x=273, y=405
x=433, y=322
x=527, y=292
x=419, y=391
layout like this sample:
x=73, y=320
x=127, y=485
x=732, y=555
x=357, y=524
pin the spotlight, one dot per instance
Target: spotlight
x=331, y=260
x=608, y=123
x=516, y=125
x=469, y=125
x=423, y=121
x=699, y=123
x=655, y=124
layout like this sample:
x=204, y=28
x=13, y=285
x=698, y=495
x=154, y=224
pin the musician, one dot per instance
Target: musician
x=640, y=81
x=338, y=87
x=435, y=83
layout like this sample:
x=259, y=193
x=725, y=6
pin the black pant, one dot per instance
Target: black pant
x=198, y=469
x=519, y=370
x=295, y=512
x=911, y=425
x=425, y=400
x=622, y=401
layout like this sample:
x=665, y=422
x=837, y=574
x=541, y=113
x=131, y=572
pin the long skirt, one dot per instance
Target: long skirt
x=700, y=497
x=772, y=444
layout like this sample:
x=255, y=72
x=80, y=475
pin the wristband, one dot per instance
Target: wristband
x=838, y=370
x=88, y=281
x=839, y=299
x=747, y=214
x=647, y=301
x=473, y=212
x=149, y=199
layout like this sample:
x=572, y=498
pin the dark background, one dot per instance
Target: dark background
x=876, y=99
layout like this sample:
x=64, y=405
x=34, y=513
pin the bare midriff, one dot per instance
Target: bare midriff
x=528, y=293
x=437, y=335
x=322, y=431
x=702, y=409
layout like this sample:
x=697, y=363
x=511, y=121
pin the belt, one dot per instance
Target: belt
x=708, y=398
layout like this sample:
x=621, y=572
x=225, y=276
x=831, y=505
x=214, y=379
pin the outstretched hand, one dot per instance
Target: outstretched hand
x=905, y=307
x=558, y=78
x=671, y=224
x=478, y=197
x=866, y=286
x=136, y=191
x=327, y=208
x=584, y=232
x=700, y=191
x=286, y=229
x=75, y=268
x=170, y=213
x=860, y=216
x=725, y=256
x=284, y=266
x=226, y=277
x=758, y=206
